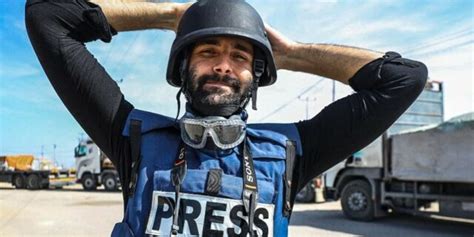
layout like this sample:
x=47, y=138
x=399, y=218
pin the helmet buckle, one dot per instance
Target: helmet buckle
x=258, y=69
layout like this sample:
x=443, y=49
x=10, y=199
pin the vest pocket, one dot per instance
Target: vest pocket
x=195, y=182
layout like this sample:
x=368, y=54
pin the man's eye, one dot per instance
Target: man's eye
x=240, y=57
x=207, y=53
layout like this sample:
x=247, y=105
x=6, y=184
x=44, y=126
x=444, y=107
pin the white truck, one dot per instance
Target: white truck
x=94, y=168
x=412, y=168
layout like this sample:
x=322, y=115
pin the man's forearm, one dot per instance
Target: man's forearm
x=128, y=15
x=332, y=61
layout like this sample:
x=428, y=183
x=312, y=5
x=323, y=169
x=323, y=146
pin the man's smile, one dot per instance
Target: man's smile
x=219, y=84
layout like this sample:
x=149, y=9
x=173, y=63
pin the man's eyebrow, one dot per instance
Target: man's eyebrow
x=208, y=41
x=242, y=47
x=237, y=45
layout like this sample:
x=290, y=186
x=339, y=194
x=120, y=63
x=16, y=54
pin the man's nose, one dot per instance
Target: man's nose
x=223, y=67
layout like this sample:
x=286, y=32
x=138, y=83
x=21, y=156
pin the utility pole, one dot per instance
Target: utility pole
x=81, y=136
x=307, y=99
x=42, y=151
x=333, y=90
x=54, y=154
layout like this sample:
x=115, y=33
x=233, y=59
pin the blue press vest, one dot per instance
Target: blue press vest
x=159, y=148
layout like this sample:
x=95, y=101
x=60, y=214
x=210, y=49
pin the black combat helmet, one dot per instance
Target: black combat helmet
x=207, y=18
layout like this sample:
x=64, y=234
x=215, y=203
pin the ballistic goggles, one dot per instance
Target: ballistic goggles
x=225, y=133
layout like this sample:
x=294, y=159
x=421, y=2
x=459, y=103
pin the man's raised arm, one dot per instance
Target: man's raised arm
x=58, y=31
x=336, y=62
x=127, y=15
x=386, y=86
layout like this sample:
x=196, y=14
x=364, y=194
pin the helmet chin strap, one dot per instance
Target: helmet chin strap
x=258, y=69
x=183, y=89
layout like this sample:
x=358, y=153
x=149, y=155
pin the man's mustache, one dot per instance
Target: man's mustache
x=234, y=83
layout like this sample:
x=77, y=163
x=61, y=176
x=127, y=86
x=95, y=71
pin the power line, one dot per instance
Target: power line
x=106, y=59
x=130, y=46
x=121, y=61
x=135, y=62
x=307, y=99
x=442, y=39
x=432, y=47
x=292, y=99
x=445, y=49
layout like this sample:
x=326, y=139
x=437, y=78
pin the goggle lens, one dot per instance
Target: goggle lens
x=228, y=134
x=195, y=132
x=225, y=133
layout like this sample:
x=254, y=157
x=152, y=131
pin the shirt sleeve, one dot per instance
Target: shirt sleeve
x=385, y=88
x=58, y=30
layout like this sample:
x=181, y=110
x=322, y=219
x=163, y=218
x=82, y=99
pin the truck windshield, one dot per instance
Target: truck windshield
x=80, y=151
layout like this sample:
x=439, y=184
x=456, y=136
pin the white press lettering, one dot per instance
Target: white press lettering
x=206, y=216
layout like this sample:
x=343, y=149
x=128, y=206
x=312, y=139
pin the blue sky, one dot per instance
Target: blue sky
x=438, y=33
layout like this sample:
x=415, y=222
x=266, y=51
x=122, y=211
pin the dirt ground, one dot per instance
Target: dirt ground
x=74, y=212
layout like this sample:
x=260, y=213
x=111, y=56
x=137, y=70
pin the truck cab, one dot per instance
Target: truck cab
x=94, y=168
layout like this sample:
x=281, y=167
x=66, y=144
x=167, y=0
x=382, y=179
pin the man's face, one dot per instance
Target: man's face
x=220, y=71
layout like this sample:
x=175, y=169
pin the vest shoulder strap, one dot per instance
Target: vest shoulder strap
x=290, y=161
x=150, y=121
x=135, y=145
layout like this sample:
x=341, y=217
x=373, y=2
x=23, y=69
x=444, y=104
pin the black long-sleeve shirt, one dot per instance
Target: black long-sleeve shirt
x=58, y=30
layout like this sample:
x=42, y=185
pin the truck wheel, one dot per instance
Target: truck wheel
x=89, y=182
x=45, y=185
x=33, y=181
x=356, y=201
x=110, y=183
x=306, y=194
x=19, y=181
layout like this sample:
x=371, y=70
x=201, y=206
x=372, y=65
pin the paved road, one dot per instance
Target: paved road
x=67, y=212
x=74, y=212
x=327, y=220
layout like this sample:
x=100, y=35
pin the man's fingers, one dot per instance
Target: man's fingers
x=270, y=31
x=276, y=37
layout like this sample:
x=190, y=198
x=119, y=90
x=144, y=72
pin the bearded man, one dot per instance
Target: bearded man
x=210, y=173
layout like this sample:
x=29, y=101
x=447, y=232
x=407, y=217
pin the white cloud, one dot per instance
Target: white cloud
x=443, y=43
x=140, y=58
x=12, y=70
x=311, y=21
x=20, y=25
x=285, y=92
x=148, y=94
x=353, y=24
x=455, y=69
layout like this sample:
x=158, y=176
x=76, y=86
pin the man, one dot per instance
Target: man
x=211, y=174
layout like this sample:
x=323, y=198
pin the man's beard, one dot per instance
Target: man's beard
x=215, y=101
